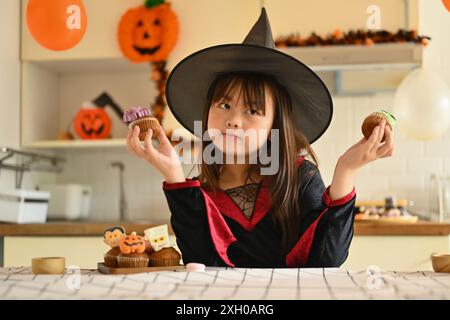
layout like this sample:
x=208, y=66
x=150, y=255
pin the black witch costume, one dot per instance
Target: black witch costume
x=235, y=227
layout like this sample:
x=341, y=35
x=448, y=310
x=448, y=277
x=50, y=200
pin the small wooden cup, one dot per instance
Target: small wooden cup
x=48, y=265
x=441, y=262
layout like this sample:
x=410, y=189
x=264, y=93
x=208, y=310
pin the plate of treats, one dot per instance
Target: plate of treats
x=133, y=253
x=388, y=211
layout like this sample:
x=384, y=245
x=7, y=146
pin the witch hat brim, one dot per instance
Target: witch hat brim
x=189, y=81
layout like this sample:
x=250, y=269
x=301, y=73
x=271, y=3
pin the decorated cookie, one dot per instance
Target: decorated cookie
x=158, y=237
x=112, y=237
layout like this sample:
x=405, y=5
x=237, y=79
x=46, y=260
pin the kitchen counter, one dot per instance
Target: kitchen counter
x=91, y=228
x=65, y=228
x=420, y=228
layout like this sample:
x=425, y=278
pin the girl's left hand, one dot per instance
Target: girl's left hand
x=368, y=150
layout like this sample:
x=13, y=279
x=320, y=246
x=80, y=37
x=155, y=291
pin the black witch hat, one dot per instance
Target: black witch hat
x=189, y=81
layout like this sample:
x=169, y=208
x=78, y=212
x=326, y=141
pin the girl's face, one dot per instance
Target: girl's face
x=237, y=126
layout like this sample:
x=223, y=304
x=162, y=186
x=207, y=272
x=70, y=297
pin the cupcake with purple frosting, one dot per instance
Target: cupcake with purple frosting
x=141, y=117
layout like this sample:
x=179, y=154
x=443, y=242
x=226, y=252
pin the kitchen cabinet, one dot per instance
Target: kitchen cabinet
x=83, y=252
x=405, y=247
x=56, y=84
x=406, y=253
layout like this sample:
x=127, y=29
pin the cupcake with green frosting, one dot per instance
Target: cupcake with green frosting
x=375, y=119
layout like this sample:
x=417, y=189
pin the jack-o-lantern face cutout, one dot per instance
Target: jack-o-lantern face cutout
x=148, y=34
x=132, y=244
x=92, y=123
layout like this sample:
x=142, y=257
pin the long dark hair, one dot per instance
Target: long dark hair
x=284, y=186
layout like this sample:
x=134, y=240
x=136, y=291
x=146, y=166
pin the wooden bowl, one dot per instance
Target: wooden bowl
x=48, y=265
x=441, y=262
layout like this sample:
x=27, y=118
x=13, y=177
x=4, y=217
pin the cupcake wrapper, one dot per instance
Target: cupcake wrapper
x=111, y=261
x=144, y=124
x=132, y=262
x=372, y=121
x=377, y=116
x=164, y=262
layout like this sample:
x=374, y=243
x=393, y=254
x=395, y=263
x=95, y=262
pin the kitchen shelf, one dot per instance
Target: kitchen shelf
x=384, y=56
x=80, y=65
x=69, y=144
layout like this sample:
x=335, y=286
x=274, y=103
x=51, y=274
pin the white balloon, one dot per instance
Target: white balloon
x=422, y=105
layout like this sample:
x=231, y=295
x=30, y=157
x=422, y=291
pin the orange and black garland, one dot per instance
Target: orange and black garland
x=352, y=37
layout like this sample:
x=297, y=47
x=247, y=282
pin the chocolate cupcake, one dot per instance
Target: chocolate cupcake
x=142, y=117
x=133, y=260
x=166, y=257
x=110, y=258
x=111, y=237
x=374, y=120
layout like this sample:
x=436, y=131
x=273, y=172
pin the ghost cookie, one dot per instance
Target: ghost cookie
x=158, y=237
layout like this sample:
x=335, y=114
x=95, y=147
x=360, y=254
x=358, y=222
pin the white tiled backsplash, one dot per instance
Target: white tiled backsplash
x=405, y=175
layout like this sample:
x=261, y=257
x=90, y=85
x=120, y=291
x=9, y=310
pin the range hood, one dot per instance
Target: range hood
x=357, y=69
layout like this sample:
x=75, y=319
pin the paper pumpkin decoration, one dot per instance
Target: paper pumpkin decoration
x=92, y=123
x=56, y=25
x=132, y=244
x=446, y=4
x=148, y=33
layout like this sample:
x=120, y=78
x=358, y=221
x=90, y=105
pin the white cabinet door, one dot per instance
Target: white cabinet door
x=402, y=253
x=84, y=252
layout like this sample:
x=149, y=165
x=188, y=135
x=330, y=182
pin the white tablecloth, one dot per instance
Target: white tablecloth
x=226, y=283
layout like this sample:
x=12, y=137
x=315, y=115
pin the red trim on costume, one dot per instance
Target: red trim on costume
x=338, y=202
x=299, y=160
x=221, y=234
x=230, y=209
x=189, y=183
x=298, y=256
x=263, y=204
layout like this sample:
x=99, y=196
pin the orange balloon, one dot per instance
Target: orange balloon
x=446, y=4
x=56, y=25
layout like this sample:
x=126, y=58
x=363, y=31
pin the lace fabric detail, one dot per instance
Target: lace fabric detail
x=244, y=197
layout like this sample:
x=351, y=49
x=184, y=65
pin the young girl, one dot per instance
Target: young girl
x=231, y=214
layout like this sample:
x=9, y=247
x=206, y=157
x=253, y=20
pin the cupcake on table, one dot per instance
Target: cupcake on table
x=133, y=255
x=112, y=237
x=163, y=255
x=136, y=251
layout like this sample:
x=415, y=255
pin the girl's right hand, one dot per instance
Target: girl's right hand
x=163, y=158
